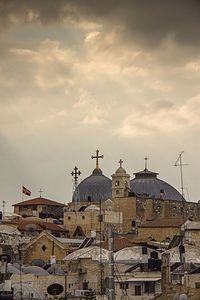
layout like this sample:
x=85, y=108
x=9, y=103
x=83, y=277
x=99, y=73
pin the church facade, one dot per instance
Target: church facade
x=144, y=198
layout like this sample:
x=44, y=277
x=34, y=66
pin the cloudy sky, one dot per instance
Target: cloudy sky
x=119, y=75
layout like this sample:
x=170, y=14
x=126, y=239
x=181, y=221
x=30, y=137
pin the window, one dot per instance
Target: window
x=123, y=285
x=133, y=223
x=44, y=248
x=117, y=192
x=83, y=217
x=138, y=290
x=149, y=287
x=85, y=285
x=197, y=285
x=69, y=218
x=158, y=209
x=117, y=183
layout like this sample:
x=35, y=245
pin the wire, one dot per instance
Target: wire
x=124, y=290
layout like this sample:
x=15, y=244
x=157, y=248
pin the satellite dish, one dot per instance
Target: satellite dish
x=5, y=257
x=183, y=297
x=55, y=289
x=178, y=296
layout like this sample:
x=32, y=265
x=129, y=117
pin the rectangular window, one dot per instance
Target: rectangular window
x=138, y=290
x=123, y=285
x=197, y=285
x=149, y=287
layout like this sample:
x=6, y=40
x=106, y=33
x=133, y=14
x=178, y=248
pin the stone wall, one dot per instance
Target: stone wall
x=44, y=248
x=159, y=234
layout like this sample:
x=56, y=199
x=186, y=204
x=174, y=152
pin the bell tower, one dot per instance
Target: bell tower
x=120, y=182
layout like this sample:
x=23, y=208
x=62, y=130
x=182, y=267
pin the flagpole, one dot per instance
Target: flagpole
x=22, y=194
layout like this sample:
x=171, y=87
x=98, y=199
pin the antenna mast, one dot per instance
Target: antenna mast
x=180, y=164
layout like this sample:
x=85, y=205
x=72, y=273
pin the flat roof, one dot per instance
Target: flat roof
x=139, y=279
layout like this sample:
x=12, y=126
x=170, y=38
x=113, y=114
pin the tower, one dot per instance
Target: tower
x=120, y=182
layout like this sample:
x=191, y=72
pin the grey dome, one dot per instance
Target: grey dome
x=146, y=182
x=94, y=188
x=56, y=270
x=12, y=269
x=35, y=270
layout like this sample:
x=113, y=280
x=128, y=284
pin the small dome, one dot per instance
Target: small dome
x=130, y=254
x=146, y=182
x=92, y=252
x=92, y=207
x=12, y=269
x=94, y=188
x=56, y=270
x=120, y=170
x=192, y=254
x=35, y=270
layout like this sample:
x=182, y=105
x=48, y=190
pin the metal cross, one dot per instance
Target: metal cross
x=40, y=192
x=146, y=158
x=76, y=173
x=97, y=158
x=120, y=162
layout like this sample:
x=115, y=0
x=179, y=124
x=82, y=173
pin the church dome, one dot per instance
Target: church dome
x=146, y=182
x=94, y=188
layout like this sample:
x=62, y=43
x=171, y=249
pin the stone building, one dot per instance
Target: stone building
x=141, y=199
x=46, y=246
x=191, y=232
x=188, y=274
x=86, y=265
x=159, y=229
x=39, y=207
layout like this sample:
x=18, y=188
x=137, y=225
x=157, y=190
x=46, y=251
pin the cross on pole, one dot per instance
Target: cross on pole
x=120, y=162
x=97, y=158
x=145, y=159
x=75, y=174
x=40, y=193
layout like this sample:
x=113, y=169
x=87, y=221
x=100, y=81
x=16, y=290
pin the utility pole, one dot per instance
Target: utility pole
x=111, y=292
x=111, y=218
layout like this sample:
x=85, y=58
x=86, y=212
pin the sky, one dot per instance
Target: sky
x=121, y=76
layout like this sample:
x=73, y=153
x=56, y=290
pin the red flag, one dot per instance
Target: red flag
x=26, y=191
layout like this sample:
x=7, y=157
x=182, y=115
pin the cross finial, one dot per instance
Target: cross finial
x=120, y=162
x=75, y=174
x=40, y=193
x=145, y=159
x=97, y=158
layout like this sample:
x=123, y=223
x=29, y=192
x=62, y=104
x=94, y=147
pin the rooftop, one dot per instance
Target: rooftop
x=38, y=225
x=38, y=201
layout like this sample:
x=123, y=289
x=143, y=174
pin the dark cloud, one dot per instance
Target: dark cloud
x=144, y=21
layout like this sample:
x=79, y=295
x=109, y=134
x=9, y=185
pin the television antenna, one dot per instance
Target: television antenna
x=179, y=163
